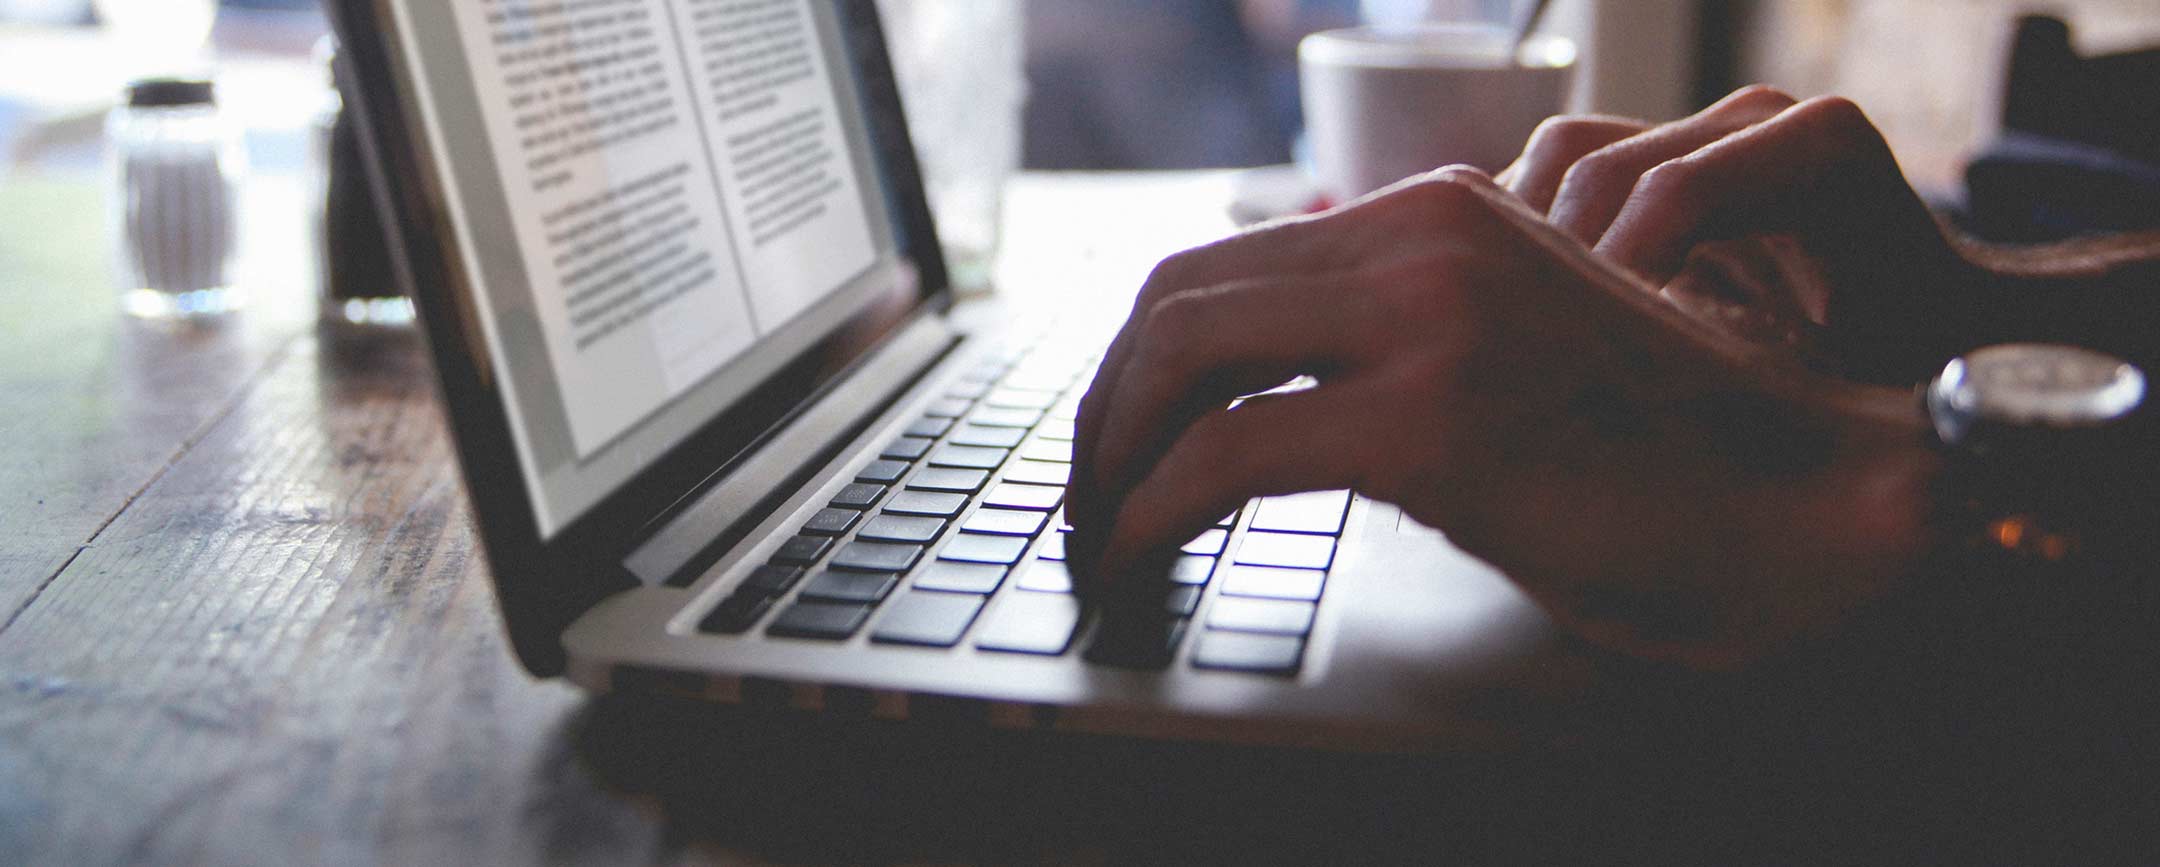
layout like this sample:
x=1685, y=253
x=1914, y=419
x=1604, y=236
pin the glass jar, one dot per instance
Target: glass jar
x=963, y=82
x=175, y=165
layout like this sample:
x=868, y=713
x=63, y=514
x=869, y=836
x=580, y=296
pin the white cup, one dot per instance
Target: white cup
x=1384, y=103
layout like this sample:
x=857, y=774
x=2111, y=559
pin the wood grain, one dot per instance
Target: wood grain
x=94, y=404
x=286, y=651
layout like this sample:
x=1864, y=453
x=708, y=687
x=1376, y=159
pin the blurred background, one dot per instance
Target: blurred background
x=1146, y=84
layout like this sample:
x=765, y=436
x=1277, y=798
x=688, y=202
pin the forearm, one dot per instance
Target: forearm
x=2095, y=258
x=2099, y=292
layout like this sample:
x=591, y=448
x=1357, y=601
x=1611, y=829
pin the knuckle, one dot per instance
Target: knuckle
x=1597, y=170
x=1558, y=134
x=1168, y=274
x=1178, y=314
x=1670, y=184
x=1169, y=322
x=1835, y=112
x=1759, y=96
x=1442, y=197
x=1567, y=137
x=1839, y=121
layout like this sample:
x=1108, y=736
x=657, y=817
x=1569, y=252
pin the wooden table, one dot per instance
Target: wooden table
x=246, y=620
x=243, y=619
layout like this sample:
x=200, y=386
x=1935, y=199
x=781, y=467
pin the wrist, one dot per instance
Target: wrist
x=1816, y=548
x=1882, y=496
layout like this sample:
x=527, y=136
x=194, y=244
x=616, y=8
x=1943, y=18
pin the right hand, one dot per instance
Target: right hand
x=1759, y=165
x=1661, y=488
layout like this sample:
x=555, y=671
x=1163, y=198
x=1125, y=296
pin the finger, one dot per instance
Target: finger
x=1304, y=245
x=1193, y=345
x=1318, y=439
x=1288, y=247
x=1819, y=170
x=1593, y=189
x=1557, y=144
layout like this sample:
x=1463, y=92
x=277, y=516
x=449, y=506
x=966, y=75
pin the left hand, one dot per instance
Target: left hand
x=1657, y=485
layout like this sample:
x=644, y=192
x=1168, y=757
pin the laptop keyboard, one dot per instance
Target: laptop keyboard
x=953, y=536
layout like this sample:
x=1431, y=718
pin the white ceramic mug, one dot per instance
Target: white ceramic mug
x=1384, y=103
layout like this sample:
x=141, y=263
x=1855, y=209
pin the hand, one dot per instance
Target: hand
x=1759, y=165
x=1658, y=486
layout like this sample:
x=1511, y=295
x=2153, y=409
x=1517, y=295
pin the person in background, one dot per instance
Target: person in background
x=1149, y=84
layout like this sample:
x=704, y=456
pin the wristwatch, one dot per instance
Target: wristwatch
x=2041, y=447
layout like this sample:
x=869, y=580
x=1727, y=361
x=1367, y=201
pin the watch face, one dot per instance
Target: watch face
x=2039, y=385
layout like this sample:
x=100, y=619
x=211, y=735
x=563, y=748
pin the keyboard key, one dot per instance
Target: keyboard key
x=883, y=472
x=949, y=480
x=1021, y=398
x=995, y=437
x=1227, y=521
x=929, y=426
x=930, y=619
x=1036, y=376
x=959, y=577
x=1004, y=522
x=1048, y=450
x=984, y=549
x=1244, y=651
x=1031, y=623
x=736, y=614
x=951, y=407
x=1046, y=576
x=1182, y=601
x=1316, y=512
x=1210, y=542
x=1261, y=615
x=902, y=528
x=1060, y=429
x=876, y=557
x=834, y=586
x=1038, y=473
x=802, y=550
x=1270, y=583
x=831, y=522
x=1008, y=495
x=769, y=580
x=926, y=503
x=1145, y=643
x=860, y=495
x=906, y=448
x=970, y=457
x=1192, y=570
x=994, y=416
x=968, y=389
x=824, y=620
x=1053, y=548
x=1286, y=549
x=1067, y=409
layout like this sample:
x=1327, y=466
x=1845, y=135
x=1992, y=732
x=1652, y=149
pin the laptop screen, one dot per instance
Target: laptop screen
x=659, y=204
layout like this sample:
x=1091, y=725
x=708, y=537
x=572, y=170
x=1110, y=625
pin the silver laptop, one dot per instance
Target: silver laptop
x=724, y=434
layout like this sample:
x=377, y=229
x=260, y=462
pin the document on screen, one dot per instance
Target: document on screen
x=678, y=179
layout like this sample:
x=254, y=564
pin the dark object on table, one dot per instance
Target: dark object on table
x=2080, y=146
x=358, y=284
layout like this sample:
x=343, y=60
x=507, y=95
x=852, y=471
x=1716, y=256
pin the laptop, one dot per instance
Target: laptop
x=726, y=433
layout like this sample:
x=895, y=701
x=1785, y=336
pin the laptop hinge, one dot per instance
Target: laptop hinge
x=774, y=470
